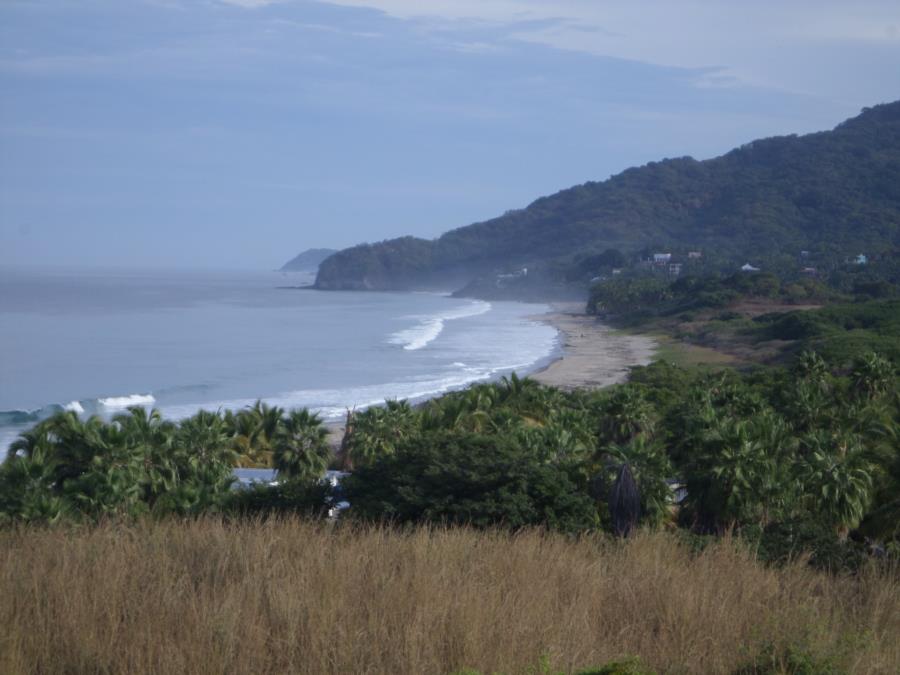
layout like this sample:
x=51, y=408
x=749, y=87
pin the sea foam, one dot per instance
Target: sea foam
x=122, y=402
x=430, y=327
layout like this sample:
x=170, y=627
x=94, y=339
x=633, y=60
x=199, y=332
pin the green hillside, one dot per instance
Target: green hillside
x=831, y=193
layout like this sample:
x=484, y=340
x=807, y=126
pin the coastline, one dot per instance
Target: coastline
x=593, y=355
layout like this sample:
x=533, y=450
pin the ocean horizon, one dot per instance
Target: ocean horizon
x=98, y=342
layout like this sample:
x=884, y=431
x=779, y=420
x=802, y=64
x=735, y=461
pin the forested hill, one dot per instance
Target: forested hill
x=835, y=191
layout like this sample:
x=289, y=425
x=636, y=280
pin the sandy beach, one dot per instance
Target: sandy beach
x=593, y=354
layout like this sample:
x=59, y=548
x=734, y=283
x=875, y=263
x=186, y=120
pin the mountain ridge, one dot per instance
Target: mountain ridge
x=829, y=190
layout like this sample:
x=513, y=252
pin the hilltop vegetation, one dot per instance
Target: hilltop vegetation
x=830, y=193
x=808, y=454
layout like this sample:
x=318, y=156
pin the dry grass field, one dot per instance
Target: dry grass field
x=298, y=597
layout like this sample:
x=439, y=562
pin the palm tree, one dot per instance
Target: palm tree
x=650, y=470
x=624, y=502
x=872, y=375
x=203, y=455
x=154, y=437
x=300, y=447
x=837, y=478
x=27, y=489
x=739, y=472
x=812, y=368
x=625, y=415
x=379, y=431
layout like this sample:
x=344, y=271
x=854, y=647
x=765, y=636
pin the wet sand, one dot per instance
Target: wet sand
x=593, y=355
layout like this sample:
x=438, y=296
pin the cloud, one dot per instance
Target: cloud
x=769, y=43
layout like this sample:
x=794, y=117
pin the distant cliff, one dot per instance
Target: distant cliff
x=308, y=261
x=837, y=190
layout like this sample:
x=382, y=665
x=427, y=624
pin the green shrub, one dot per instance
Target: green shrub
x=789, y=660
x=631, y=666
x=472, y=479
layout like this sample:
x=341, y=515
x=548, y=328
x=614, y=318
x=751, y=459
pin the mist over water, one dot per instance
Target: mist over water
x=97, y=343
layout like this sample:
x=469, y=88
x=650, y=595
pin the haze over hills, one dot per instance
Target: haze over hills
x=308, y=261
x=828, y=192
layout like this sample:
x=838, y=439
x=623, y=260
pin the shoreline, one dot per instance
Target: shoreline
x=593, y=354
x=590, y=355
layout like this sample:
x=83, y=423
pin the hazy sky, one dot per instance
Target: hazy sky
x=236, y=133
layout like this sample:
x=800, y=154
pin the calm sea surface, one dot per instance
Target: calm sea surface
x=99, y=342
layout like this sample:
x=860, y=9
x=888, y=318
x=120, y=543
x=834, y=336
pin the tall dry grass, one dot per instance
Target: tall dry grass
x=297, y=597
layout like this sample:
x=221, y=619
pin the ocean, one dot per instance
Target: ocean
x=99, y=342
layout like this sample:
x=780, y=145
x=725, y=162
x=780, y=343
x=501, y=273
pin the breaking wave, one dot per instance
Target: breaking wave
x=431, y=326
x=123, y=402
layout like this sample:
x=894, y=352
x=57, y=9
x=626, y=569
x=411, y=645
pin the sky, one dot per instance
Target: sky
x=236, y=133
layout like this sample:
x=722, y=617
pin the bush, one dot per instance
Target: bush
x=467, y=478
x=780, y=542
x=292, y=497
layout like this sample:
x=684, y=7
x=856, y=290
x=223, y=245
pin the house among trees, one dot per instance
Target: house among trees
x=695, y=255
x=861, y=259
x=662, y=258
x=518, y=274
x=808, y=271
x=749, y=268
x=674, y=269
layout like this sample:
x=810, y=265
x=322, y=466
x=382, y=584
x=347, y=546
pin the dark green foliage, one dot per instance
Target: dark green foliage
x=628, y=295
x=624, y=667
x=472, y=479
x=624, y=502
x=290, y=498
x=780, y=542
x=390, y=264
x=642, y=296
x=841, y=332
x=138, y=463
x=834, y=194
x=795, y=460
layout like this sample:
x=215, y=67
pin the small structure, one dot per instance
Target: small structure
x=861, y=259
x=809, y=271
x=674, y=269
x=749, y=268
x=695, y=255
x=502, y=279
x=616, y=271
x=662, y=258
x=804, y=254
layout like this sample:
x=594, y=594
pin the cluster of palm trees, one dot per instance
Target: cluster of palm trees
x=733, y=449
x=140, y=463
x=711, y=452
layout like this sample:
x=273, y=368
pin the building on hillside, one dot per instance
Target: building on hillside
x=617, y=271
x=674, y=269
x=861, y=259
x=749, y=268
x=662, y=258
x=695, y=255
x=809, y=271
x=503, y=279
